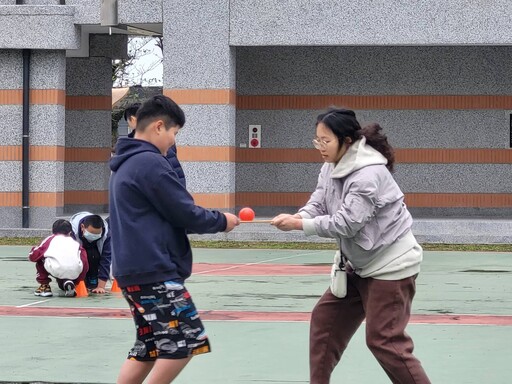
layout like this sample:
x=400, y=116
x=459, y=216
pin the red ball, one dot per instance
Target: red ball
x=246, y=214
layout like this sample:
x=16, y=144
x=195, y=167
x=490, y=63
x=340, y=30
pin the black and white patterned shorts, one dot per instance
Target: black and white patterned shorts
x=167, y=322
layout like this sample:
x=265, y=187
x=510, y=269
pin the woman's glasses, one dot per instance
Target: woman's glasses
x=320, y=144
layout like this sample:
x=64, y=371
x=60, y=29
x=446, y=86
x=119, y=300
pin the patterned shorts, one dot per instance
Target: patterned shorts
x=167, y=322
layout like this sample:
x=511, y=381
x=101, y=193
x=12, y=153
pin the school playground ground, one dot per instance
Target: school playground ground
x=256, y=306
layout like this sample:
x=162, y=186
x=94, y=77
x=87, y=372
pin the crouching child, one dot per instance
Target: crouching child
x=62, y=257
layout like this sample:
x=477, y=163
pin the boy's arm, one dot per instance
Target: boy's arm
x=175, y=203
x=37, y=253
x=105, y=260
x=104, y=267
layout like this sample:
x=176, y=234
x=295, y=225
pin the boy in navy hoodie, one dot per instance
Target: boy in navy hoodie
x=150, y=214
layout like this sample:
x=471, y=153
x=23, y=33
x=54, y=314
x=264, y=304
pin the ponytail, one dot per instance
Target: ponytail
x=379, y=141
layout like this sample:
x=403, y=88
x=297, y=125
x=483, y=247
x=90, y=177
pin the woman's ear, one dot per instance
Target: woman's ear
x=348, y=140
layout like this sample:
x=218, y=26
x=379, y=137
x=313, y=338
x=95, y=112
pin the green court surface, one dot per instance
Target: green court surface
x=255, y=305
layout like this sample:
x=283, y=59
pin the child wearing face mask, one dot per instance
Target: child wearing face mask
x=92, y=232
x=62, y=257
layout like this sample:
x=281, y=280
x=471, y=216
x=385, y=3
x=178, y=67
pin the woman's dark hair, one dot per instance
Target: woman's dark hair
x=61, y=227
x=343, y=123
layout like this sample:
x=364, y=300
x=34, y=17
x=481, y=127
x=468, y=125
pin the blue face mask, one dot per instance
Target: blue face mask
x=91, y=237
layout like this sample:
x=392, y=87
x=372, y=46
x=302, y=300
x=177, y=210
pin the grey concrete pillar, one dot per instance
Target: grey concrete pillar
x=199, y=74
x=46, y=120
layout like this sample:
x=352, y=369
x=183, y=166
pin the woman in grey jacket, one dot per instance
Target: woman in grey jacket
x=358, y=203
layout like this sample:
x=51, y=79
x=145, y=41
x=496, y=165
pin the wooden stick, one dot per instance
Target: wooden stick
x=256, y=221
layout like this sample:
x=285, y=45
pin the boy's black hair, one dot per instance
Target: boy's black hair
x=93, y=220
x=160, y=107
x=61, y=227
x=131, y=110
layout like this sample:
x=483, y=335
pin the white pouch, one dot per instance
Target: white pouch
x=338, y=277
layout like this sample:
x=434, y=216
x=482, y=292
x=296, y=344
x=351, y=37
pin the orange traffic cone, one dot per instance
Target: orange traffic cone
x=115, y=288
x=81, y=290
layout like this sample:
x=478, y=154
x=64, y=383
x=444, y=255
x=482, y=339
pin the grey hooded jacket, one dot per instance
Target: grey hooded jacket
x=358, y=203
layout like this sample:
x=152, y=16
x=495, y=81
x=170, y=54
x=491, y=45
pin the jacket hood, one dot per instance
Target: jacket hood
x=358, y=155
x=127, y=147
x=78, y=217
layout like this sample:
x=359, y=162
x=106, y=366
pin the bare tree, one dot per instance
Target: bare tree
x=144, y=55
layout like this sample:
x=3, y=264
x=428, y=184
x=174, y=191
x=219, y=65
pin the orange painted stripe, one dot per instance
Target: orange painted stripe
x=258, y=199
x=278, y=155
x=400, y=102
x=191, y=153
x=46, y=153
x=36, y=153
x=55, y=153
x=264, y=155
x=54, y=199
x=10, y=152
x=36, y=199
x=307, y=155
x=86, y=197
x=37, y=96
x=202, y=96
x=215, y=200
x=454, y=155
x=88, y=154
x=272, y=199
x=10, y=199
x=100, y=103
x=445, y=200
x=417, y=200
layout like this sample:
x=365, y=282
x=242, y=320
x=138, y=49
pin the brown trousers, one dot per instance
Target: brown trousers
x=386, y=305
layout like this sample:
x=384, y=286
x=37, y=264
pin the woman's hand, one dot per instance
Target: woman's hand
x=287, y=222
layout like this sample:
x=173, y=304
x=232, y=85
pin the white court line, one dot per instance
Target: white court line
x=258, y=262
x=34, y=303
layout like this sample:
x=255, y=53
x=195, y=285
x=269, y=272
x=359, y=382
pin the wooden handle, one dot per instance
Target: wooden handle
x=256, y=221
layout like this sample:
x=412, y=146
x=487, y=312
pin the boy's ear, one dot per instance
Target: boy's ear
x=158, y=126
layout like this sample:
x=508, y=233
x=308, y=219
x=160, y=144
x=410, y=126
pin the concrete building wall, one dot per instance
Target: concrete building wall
x=452, y=151
x=369, y=22
x=140, y=11
x=86, y=12
x=435, y=74
x=38, y=27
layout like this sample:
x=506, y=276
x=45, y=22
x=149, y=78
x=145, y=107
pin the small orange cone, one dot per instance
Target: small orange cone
x=81, y=290
x=115, y=288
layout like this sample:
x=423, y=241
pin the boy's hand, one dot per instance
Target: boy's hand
x=232, y=221
x=100, y=289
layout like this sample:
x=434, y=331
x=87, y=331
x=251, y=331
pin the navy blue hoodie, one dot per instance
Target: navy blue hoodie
x=150, y=213
x=176, y=165
x=173, y=159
